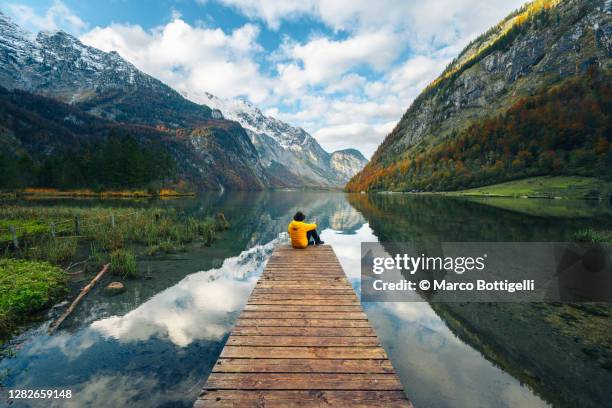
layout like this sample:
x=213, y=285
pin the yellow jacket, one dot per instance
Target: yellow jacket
x=297, y=232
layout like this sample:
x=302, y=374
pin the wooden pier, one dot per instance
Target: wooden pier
x=303, y=340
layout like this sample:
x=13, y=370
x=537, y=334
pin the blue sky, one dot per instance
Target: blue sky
x=343, y=70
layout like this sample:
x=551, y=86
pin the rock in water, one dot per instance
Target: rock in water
x=114, y=288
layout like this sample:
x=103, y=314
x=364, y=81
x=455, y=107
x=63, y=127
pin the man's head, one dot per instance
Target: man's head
x=299, y=216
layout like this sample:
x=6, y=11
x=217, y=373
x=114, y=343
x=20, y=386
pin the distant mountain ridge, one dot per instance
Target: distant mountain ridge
x=532, y=50
x=290, y=149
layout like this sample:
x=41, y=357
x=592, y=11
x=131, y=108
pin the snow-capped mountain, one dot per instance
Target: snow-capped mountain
x=57, y=65
x=287, y=150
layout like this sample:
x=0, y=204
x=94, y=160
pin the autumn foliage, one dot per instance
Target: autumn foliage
x=564, y=130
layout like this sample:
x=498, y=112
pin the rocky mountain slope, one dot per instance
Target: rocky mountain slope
x=216, y=154
x=533, y=49
x=58, y=65
x=288, y=151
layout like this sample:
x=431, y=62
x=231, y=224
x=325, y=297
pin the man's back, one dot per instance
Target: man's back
x=297, y=231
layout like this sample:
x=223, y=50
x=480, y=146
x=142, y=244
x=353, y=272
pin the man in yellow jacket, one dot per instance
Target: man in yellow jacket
x=301, y=232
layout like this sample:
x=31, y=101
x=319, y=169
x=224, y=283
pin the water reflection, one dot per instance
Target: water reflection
x=473, y=354
x=435, y=366
x=201, y=306
x=155, y=344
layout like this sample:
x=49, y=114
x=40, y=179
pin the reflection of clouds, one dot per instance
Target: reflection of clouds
x=71, y=346
x=348, y=248
x=435, y=366
x=198, y=307
x=121, y=391
x=428, y=356
x=514, y=396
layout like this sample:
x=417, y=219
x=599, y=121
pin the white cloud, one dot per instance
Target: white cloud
x=321, y=76
x=57, y=17
x=191, y=59
x=324, y=59
x=271, y=11
x=367, y=137
x=436, y=21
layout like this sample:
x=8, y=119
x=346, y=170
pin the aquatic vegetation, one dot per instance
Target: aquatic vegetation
x=27, y=287
x=54, y=233
x=123, y=263
x=590, y=235
x=56, y=251
x=166, y=247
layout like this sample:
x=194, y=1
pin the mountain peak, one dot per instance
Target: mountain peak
x=281, y=145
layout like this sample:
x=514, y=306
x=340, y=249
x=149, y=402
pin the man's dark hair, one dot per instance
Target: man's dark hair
x=299, y=216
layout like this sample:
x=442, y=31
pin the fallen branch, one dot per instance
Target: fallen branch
x=74, y=304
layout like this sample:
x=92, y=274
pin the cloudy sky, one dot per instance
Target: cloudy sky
x=344, y=70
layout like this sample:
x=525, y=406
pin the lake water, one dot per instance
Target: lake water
x=155, y=344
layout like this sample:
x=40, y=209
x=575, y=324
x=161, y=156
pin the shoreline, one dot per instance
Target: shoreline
x=87, y=193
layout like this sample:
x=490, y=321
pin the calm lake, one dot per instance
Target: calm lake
x=155, y=344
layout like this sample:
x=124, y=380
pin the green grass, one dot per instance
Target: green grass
x=123, y=263
x=165, y=247
x=572, y=187
x=590, y=235
x=57, y=251
x=27, y=287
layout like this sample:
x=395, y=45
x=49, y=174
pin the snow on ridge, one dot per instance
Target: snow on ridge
x=23, y=45
x=251, y=118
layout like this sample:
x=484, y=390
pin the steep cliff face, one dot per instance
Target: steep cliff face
x=290, y=153
x=538, y=46
x=346, y=163
x=214, y=155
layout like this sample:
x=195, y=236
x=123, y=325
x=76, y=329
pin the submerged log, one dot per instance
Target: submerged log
x=76, y=301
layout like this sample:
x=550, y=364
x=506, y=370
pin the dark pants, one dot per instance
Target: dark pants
x=313, y=234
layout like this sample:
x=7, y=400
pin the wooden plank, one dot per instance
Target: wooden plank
x=365, y=353
x=306, y=365
x=302, y=322
x=305, y=315
x=302, y=331
x=310, y=341
x=317, y=285
x=303, y=381
x=253, y=307
x=301, y=297
x=303, y=291
x=311, y=302
x=303, y=340
x=301, y=399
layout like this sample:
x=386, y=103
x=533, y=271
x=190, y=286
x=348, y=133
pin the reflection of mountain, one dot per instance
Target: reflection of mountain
x=522, y=339
x=525, y=340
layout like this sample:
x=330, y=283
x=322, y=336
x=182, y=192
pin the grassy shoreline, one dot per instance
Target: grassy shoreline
x=54, y=239
x=548, y=187
x=52, y=192
x=552, y=187
x=26, y=289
